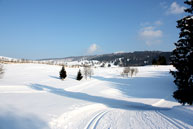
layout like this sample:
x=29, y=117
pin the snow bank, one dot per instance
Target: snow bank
x=32, y=97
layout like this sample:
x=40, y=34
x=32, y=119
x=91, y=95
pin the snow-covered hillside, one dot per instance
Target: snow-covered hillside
x=33, y=97
x=3, y=58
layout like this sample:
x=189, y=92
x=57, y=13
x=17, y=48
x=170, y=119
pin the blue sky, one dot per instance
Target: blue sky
x=35, y=29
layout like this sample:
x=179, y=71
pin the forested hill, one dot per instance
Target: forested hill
x=137, y=58
x=133, y=58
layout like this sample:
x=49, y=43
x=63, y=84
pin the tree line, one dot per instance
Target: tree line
x=87, y=72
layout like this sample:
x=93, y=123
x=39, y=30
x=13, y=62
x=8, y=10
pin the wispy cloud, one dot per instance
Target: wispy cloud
x=175, y=8
x=93, y=48
x=151, y=35
x=158, y=23
x=164, y=5
x=144, y=24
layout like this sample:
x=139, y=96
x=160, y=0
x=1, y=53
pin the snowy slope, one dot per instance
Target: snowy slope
x=33, y=97
x=3, y=58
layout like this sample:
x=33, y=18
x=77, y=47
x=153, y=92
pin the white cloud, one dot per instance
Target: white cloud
x=150, y=33
x=93, y=48
x=175, y=9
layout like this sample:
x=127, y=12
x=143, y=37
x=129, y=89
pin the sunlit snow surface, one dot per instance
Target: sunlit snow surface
x=33, y=97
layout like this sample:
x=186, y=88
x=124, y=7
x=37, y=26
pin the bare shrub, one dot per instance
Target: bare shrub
x=1, y=70
x=133, y=71
x=125, y=72
x=129, y=71
x=87, y=71
x=136, y=71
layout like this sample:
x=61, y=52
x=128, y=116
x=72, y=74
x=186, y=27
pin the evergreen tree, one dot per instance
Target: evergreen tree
x=63, y=73
x=79, y=75
x=154, y=62
x=161, y=60
x=182, y=58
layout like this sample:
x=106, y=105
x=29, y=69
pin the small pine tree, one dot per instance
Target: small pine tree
x=63, y=73
x=79, y=75
x=182, y=58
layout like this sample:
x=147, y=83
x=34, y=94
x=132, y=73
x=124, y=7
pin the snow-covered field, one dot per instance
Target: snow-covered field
x=33, y=97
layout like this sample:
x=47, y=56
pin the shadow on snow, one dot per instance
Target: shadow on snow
x=110, y=102
x=167, y=113
x=55, y=77
x=14, y=120
x=143, y=87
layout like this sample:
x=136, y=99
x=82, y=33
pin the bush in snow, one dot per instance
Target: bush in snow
x=129, y=71
x=1, y=70
x=63, y=73
x=133, y=71
x=103, y=65
x=87, y=71
x=79, y=75
x=125, y=72
x=182, y=58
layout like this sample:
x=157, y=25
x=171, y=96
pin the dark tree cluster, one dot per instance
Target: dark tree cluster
x=182, y=58
x=139, y=58
x=160, y=61
x=63, y=74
